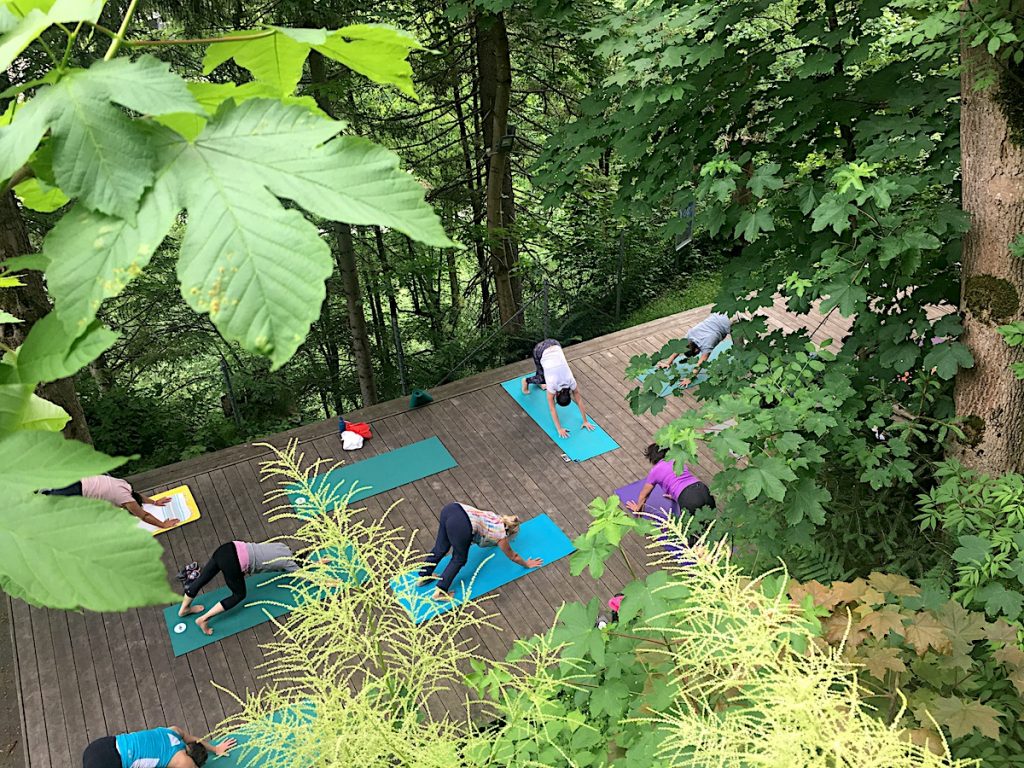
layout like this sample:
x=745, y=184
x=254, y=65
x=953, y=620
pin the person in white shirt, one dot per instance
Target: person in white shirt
x=554, y=377
x=703, y=338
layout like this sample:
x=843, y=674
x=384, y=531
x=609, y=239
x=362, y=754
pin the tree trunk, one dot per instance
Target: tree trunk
x=345, y=257
x=30, y=303
x=356, y=317
x=989, y=397
x=389, y=287
x=495, y=91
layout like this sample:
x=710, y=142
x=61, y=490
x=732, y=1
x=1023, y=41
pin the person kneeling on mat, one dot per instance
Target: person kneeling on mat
x=703, y=338
x=685, y=489
x=462, y=525
x=234, y=559
x=156, y=748
x=554, y=376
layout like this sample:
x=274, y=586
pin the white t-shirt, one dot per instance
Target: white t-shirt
x=557, y=375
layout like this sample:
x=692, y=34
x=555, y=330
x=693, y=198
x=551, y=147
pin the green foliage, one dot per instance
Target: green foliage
x=983, y=518
x=128, y=143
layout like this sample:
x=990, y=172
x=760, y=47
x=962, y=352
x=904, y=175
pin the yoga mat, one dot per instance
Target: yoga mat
x=383, y=472
x=659, y=508
x=684, y=366
x=243, y=616
x=581, y=444
x=240, y=758
x=537, y=537
x=183, y=507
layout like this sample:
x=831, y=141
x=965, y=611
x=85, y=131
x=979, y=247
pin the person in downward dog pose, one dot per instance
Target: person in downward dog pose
x=462, y=525
x=235, y=559
x=555, y=378
x=703, y=338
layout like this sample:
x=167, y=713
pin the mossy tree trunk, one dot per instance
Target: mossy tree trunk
x=989, y=397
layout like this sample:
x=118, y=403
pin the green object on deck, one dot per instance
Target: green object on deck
x=419, y=397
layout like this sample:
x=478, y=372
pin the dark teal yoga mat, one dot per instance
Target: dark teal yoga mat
x=683, y=368
x=537, y=537
x=243, y=757
x=581, y=444
x=267, y=596
x=383, y=472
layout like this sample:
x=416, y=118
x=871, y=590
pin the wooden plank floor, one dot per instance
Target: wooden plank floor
x=81, y=676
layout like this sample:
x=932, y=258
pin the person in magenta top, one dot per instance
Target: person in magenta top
x=685, y=489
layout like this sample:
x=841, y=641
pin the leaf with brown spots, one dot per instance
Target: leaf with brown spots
x=887, y=619
x=893, y=583
x=926, y=632
x=962, y=717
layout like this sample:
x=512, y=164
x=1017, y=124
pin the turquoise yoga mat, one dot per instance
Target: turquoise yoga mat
x=244, y=757
x=384, y=472
x=684, y=367
x=537, y=537
x=581, y=444
x=270, y=590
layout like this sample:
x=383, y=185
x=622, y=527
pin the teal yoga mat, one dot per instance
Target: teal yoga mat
x=383, y=472
x=270, y=590
x=537, y=537
x=683, y=367
x=242, y=757
x=581, y=444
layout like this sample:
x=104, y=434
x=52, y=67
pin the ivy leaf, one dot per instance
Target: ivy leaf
x=833, y=211
x=257, y=268
x=972, y=550
x=47, y=460
x=49, y=354
x=72, y=553
x=766, y=474
x=962, y=717
x=948, y=358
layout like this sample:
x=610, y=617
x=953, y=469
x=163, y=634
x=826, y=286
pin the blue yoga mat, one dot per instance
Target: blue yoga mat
x=581, y=444
x=537, y=537
x=384, y=472
x=683, y=367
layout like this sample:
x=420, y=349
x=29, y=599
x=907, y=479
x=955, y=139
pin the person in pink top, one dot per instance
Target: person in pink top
x=119, y=493
x=685, y=489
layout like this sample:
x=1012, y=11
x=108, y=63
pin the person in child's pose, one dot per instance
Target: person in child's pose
x=685, y=489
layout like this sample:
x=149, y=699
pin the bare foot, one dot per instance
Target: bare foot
x=202, y=624
x=526, y=387
x=192, y=609
x=442, y=596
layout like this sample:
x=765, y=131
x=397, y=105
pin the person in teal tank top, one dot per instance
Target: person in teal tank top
x=156, y=748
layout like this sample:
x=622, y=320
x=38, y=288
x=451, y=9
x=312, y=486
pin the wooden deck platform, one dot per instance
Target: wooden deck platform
x=81, y=676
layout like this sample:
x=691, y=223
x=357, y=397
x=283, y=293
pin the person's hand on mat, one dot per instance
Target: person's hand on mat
x=588, y=425
x=224, y=747
x=162, y=502
x=632, y=506
x=685, y=382
x=534, y=562
x=563, y=432
x=667, y=362
x=165, y=524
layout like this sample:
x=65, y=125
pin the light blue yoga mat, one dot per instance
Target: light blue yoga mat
x=383, y=472
x=684, y=366
x=581, y=444
x=537, y=537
